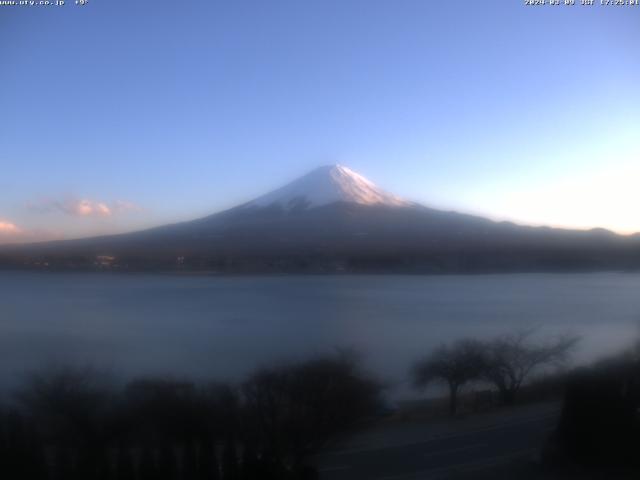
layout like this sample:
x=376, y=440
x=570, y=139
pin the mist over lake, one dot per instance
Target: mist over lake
x=225, y=327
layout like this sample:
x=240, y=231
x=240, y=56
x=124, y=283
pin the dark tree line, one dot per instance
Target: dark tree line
x=73, y=424
x=504, y=362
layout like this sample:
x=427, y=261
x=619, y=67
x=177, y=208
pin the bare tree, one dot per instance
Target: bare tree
x=68, y=403
x=295, y=409
x=454, y=365
x=510, y=359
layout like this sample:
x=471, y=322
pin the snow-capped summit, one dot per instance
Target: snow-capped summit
x=326, y=185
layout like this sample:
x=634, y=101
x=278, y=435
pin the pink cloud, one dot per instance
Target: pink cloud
x=9, y=229
x=87, y=208
x=12, y=233
x=83, y=207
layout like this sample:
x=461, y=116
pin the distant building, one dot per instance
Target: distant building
x=105, y=261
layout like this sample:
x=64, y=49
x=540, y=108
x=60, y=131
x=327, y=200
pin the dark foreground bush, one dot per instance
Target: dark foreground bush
x=599, y=423
x=72, y=424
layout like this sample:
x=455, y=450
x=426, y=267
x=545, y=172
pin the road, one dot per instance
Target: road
x=408, y=451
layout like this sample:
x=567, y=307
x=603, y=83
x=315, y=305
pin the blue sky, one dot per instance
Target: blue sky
x=125, y=114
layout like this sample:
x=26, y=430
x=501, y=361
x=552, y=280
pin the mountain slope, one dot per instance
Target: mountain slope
x=333, y=219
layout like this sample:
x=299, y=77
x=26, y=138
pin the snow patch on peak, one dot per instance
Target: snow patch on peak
x=326, y=185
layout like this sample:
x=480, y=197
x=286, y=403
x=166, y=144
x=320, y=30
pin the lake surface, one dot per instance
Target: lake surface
x=224, y=327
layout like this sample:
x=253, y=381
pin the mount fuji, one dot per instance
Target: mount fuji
x=335, y=220
x=327, y=185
